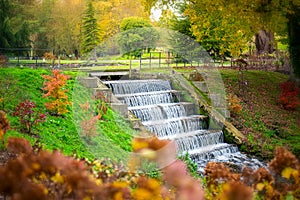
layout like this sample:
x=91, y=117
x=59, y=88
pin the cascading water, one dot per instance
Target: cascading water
x=156, y=104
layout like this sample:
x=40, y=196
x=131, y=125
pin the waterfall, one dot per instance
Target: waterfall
x=197, y=141
x=168, y=127
x=137, y=86
x=147, y=98
x=159, y=111
x=156, y=104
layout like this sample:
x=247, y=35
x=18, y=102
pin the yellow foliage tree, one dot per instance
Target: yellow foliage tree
x=111, y=13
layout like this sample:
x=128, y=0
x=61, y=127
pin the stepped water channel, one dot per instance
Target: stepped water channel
x=161, y=112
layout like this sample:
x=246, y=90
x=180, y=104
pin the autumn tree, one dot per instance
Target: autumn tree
x=166, y=19
x=221, y=27
x=90, y=31
x=65, y=26
x=55, y=25
x=41, y=37
x=55, y=91
x=230, y=25
x=111, y=13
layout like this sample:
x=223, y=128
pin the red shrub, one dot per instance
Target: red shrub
x=28, y=115
x=289, y=95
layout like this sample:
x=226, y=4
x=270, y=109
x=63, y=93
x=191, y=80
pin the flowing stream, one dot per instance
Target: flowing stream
x=157, y=105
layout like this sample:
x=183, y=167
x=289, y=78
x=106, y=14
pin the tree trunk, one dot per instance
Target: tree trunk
x=294, y=42
x=264, y=42
x=95, y=54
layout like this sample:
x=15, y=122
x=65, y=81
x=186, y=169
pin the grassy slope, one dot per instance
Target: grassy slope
x=262, y=120
x=60, y=132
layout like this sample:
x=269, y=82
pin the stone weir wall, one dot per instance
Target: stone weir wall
x=115, y=104
x=216, y=117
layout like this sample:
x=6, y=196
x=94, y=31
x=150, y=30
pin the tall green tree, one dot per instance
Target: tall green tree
x=22, y=38
x=294, y=39
x=16, y=19
x=177, y=22
x=137, y=34
x=6, y=32
x=90, y=31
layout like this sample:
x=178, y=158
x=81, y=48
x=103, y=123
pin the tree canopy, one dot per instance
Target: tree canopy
x=137, y=34
x=227, y=27
x=224, y=27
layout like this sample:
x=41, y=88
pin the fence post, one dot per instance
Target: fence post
x=130, y=68
x=140, y=61
x=159, y=59
x=184, y=58
x=168, y=59
x=150, y=60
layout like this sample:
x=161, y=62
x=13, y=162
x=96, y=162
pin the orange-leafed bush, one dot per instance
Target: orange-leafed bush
x=234, y=104
x=54, y=88
x=49, y=56
x=4, y=124
x=89, y=123
x=42, y=175
x=281, y=180
x=38, y=174
x=289, y=95
x=101, y=106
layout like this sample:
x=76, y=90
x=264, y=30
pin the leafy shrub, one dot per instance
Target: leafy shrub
x=37, y=174
x=43, y=175
x=91, y=114
x=100, y=104
x=281, y=180
x=89, y=122
x=29, y=116
x=289, y=95
x=54, y=87
x=234, y=104
x=49, y=57
x=4, y=125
